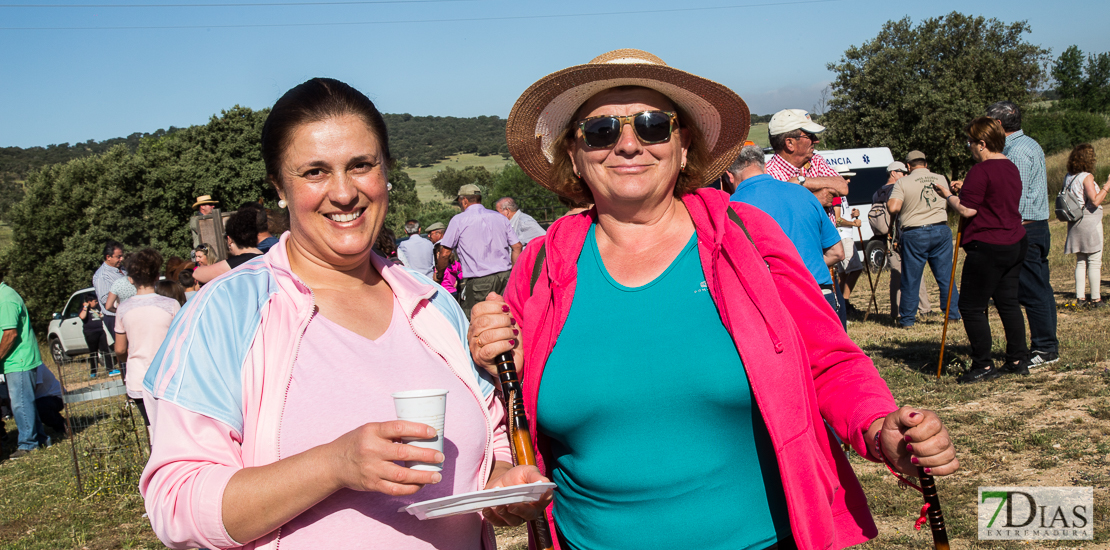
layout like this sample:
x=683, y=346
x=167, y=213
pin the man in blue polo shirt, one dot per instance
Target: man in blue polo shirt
x=798, y=213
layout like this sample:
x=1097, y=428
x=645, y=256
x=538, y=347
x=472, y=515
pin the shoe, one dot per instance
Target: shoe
x=1039, y=358
x=1020, y=368
x=981, y=374
x=114, y=373
x=19, y=453
x=1095, y=304
x=92, y=375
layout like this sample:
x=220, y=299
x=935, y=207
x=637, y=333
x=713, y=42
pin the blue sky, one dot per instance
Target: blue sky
x=65, y=82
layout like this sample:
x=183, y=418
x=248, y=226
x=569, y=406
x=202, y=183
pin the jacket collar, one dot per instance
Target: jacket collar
x=567, y=235
x=410, y=292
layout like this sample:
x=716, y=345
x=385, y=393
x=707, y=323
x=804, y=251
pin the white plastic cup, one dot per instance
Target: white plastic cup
x=423, y=407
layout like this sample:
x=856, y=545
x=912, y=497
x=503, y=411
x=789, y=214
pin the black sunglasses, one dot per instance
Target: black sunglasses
x=651, y=127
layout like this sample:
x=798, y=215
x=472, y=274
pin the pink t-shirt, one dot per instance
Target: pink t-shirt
x=145, y=319
x=341, y=381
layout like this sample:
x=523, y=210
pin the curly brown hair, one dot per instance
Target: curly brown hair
x=1082, y=159
x=565, y=183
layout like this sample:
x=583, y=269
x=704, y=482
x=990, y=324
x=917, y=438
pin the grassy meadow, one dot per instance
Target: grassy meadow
x=423, y=175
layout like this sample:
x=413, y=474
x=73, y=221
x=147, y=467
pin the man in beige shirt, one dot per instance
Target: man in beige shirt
x=925, y=236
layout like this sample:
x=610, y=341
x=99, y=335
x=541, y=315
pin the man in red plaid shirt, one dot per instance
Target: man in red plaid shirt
x=793, y=135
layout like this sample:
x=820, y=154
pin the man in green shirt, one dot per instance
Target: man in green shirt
x=19, y=351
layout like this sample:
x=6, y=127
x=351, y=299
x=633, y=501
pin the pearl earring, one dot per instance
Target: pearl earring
x=282, y=203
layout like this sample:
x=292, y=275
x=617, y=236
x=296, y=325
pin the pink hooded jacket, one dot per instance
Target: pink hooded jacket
x=803, y=369
x=216, y=390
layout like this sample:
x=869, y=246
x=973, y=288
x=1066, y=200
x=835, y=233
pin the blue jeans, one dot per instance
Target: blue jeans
x=21, y=389
x=1034, y=290
x=930, y=244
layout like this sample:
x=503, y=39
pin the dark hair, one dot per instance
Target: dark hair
x=386, y=243
x=171, y=289
x=185, y=276
x=989, y=131
x=260, y=215
x=313, y=101
x=1082, y=159
x=565, y=183
x=277, y=221
x=144, y=266
x=126, y=261
x=110, y=247
x=778, y=141
x=1007, y=113
x=242, y=228
x=919, y=162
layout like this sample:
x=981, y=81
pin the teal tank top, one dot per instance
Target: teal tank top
x=656, y=441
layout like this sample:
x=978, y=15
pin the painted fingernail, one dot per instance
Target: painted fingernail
x=505, y=309
x=516, y=332
x=512, y=342
x=908, y=438
x=913, y=459
x=909, y=448
x=913, y=415
x=928, y=470
x=511, y=320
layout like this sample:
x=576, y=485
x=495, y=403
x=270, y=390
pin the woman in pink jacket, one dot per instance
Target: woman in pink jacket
x=680, y=366
x=270, y=398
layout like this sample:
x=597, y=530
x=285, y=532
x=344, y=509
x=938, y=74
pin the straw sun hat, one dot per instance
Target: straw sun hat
x=546, y=107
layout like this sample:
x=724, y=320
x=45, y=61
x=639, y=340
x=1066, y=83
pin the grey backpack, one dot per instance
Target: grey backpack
x=1069, y=208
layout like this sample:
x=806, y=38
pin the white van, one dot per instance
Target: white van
x=870, y=168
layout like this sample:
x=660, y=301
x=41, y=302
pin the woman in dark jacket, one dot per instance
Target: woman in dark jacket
x=995, y=242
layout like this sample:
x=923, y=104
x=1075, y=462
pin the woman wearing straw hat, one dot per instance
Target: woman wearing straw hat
x=616, y=304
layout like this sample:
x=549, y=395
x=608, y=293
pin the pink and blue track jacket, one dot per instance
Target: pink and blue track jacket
x=803, y=369
x=217, y=388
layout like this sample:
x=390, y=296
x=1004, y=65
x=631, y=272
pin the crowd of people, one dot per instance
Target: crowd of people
x=267, y=391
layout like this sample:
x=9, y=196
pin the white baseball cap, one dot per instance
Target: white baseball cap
x=787, y=120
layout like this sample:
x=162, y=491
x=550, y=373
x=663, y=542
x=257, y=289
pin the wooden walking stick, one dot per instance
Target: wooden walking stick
x=948, y=306
x=932, y=509
x=521, y=437
x=870, y=281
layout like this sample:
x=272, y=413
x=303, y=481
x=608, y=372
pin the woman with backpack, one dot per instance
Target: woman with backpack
x=1085, y=233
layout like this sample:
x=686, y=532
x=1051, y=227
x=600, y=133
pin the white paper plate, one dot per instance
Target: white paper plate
x=466, y=503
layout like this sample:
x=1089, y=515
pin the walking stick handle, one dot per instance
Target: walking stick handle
x=520, y=434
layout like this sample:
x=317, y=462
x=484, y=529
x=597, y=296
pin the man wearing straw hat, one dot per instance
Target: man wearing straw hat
x=204, y=206
x=486, y=245
x=926, y=237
